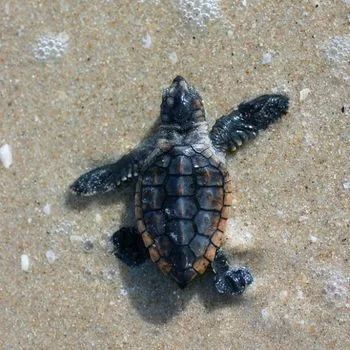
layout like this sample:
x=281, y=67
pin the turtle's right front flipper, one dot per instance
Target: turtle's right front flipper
x=233, y=130
x=106, y=178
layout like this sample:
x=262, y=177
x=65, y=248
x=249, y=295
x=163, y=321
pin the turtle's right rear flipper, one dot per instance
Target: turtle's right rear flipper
x=228, y=280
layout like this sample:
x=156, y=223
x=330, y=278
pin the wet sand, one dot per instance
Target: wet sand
x=81, y=84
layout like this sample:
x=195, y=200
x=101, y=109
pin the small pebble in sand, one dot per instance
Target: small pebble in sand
x=300, y=294
x=123, y=292
x=267, y=58
x=303, y=94
x=47, y=209
x=25, y=262
x=7, y=9
x=280, y=213
x=283, y=295
x=50, y=256
x=6, y=155
x=313, y=239
x=265, y=314
x=303, y=218
x=346, y=185
x=304, y=279
x=147, y=41
x=109, y=274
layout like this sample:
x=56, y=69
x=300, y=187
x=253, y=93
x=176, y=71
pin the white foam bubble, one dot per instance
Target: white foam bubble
x=51, y=47
x=238, y=237
x=173, y=57
x=199, y=12
x=336, y=288
x=338, y=55
x=155, y=2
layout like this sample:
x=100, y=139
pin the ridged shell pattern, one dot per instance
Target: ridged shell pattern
x=183, y=197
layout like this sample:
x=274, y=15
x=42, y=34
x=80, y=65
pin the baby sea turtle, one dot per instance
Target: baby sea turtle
x=184, y=190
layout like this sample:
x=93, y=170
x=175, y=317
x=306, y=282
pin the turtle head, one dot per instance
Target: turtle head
x=182, y=106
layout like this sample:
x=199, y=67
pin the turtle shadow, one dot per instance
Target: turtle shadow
x=156, y=297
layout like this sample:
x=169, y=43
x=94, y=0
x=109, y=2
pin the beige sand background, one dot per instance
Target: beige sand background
x=80, y=84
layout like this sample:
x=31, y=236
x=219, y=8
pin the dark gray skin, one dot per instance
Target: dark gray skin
x=183, y=123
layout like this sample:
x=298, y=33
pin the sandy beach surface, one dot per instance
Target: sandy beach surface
x=81, y=84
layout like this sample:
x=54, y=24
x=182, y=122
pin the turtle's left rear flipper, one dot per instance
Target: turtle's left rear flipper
x=129, y=246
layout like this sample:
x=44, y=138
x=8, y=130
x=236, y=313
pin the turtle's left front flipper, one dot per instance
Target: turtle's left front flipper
x=233, y=130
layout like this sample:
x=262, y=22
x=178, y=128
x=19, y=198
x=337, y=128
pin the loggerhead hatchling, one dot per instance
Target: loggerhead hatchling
x=184, y=190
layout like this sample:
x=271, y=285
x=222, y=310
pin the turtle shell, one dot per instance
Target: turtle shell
x=182, y=200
